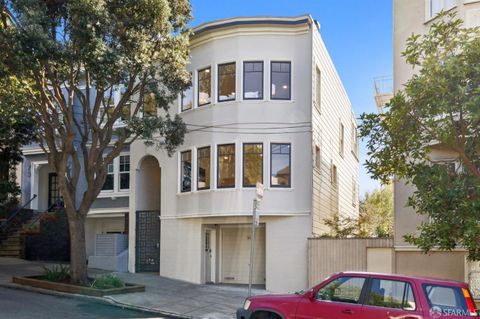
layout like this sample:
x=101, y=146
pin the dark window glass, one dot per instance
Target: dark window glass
x=226, y=82
x=186, y=163
x=252, y=164
x=342, y=289
x=391, y=294
x=203, y=168
x=280, y=161
x=226, y=166
x=204, y=86
x=281, y=81
x=252, y=80
x=149, y=105
x=446, y=301
x=124, y=172
x=108, y=185
x=187, y=98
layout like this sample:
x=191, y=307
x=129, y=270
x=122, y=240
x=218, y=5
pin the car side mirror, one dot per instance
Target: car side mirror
x=310, y=294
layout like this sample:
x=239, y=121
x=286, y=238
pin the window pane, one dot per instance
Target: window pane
x=124, y=172
x=204, y=86
x=186, y=163
x=203, y=168
x=149, y=105
x=280, y=165
x=447, y=301
x=390, y=294
x=253, y=80
x=226, y=165
x=226, y=82
x=343, y=289
x=108, y=185
x=187, y=98
x=252, y=164
x=317, y=87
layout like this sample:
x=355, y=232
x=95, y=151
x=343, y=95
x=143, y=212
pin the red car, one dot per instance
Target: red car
x=356, y=295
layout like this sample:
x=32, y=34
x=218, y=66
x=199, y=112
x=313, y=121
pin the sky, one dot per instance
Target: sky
x=357, y=34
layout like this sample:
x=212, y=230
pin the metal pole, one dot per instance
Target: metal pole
x=252, y=248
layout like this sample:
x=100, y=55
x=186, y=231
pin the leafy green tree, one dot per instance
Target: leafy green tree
x=437, y=110
x=376, y=213
x=341, y=227
x=73, y=57
x=16, y=129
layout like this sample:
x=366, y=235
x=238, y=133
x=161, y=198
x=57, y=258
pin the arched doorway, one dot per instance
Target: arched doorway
x=147, y=216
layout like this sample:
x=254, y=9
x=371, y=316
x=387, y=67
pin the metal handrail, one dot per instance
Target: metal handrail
x=7, y=223
x=37, y=217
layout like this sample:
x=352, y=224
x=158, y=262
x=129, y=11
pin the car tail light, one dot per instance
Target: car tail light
x=470, y=303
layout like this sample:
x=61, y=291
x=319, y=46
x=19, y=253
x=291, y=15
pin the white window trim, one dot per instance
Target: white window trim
x=116, y=179
x=428, y=9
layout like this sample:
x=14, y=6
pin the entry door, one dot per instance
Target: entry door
x=147, y=252
x=53, y=190
x=209, y=255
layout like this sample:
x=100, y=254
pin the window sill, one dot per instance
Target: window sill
x=281, y=189
x=107, y=194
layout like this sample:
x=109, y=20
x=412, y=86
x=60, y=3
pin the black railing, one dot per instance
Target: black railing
x=14, y=217
x=40, y=214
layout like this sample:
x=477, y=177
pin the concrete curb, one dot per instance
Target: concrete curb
x=108, y=300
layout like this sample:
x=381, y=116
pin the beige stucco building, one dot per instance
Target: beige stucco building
x=416, y=16
x=266, y=105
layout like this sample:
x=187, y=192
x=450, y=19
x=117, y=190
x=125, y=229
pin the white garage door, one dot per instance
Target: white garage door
x=236, y=255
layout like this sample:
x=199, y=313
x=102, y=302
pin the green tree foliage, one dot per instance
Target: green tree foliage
x=341, y=227
x=438, y=110
x=376, y=213
x=73, y=57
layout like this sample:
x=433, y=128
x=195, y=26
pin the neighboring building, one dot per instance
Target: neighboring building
x=266, y=105
x=416, y=16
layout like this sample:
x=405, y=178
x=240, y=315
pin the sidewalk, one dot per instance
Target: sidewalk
x=162, y=295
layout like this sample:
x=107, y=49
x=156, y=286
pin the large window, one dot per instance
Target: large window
x=187, y=98
x=438, y=5
x=281, y=81
x=124, y=172
x=253, y=80
x=186, y=167
x=203, y=163
x=149, y=105
x=118, y=175
x=280, y=162
x=226, y=82
x=391, y=294
x=342, y=289
x=204, y=86
x=226, y=166
x=252, y=164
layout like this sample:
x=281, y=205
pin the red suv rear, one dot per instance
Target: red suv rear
x=356, y=295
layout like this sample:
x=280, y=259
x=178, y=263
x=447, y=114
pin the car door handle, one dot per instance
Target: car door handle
x=347, y=311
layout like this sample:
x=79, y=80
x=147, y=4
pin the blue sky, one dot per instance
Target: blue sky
x=357, y=33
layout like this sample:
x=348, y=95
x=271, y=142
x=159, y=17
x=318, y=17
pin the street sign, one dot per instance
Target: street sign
x=260, y=189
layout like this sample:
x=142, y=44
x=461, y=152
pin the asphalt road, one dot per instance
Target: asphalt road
x=18, y=304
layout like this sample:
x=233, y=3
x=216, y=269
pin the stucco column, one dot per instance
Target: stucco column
x=473, y=273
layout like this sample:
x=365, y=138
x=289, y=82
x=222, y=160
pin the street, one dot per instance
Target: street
x=18, y=304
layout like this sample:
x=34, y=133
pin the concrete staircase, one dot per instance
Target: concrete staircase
x=10, y=247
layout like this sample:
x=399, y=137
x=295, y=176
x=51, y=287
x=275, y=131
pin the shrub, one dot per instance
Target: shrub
x=108, y=282
x=57, y=273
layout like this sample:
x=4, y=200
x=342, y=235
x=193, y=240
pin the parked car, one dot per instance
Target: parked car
x=356, y=295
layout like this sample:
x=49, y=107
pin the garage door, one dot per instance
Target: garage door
x=236, y=255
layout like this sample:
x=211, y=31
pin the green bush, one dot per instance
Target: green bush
x=108, y=282
x=57, y=273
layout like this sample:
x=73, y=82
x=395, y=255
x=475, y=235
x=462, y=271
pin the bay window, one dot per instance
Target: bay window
x=226, y=166
x=226, y=82
x=280, y=77
x=280, y=162
x=252, y=164
x=204, y=86
x=253, y=80
x=203, y=163
x=186, y=169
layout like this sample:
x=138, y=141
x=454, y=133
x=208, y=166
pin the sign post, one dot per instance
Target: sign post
x=255, y=224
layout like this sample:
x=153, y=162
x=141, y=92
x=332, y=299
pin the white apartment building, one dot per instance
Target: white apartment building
x=416, y=16
x=266, y=105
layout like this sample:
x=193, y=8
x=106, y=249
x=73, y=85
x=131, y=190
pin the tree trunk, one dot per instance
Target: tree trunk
x=78, y=255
